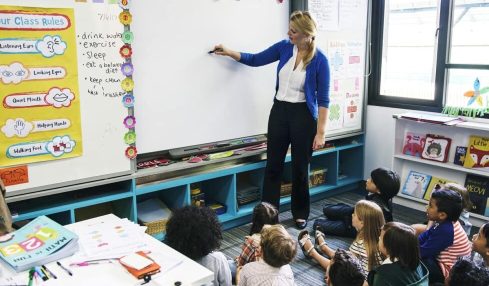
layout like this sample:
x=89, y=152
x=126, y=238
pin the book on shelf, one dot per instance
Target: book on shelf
x=413, y=144
x=435, y=184
x=416, y=184
x=478, y=188
x=459, y=158
x=436, y=148
x=39, y=242
x=477, y=153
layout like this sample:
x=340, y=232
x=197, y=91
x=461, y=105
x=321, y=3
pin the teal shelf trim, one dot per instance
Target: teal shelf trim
x=320, y=189
x=160, y=186
x=247, y=209
x=226, y=217
x=338, y=148
x=159, y=236
x=285, y=200
x=74, y=204
x=348, y=181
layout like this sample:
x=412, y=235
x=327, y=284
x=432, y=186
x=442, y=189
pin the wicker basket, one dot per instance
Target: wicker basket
x=155, y=227
x=285, y=189
x=153, y=214
x=317, y=177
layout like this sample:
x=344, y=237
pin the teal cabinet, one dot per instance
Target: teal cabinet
x=223, y=183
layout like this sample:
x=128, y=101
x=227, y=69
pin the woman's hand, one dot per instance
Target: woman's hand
x=223, y=51
x=319, y=141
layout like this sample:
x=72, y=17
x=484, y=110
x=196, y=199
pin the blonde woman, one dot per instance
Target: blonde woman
x=368, y=220
x=298, y=116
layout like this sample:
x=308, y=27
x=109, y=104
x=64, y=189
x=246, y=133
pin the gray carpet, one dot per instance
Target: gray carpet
x=308, y=272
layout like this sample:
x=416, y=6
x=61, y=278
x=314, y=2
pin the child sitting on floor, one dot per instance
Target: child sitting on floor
x=445, y=240
x=382, y=186
x=464, y=216
x=278, y=250
x=196, y=233
x=480, y=243
x=399, y=243
x=367, y=219
x=468, y=273
x=344, y=270
x=263, y=213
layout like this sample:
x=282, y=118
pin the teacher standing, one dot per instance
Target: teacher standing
x=299, y=112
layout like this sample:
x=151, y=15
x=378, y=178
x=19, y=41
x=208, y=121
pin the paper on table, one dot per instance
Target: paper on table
x=110, y=237
x=136, y=261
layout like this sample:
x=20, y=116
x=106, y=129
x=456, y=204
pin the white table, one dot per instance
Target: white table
x=185, y=270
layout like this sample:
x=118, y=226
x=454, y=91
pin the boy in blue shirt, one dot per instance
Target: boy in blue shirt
x=382, y=186
x=445, y=240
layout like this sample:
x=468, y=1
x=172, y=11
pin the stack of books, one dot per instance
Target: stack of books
x=39, y=242
x=247, y=194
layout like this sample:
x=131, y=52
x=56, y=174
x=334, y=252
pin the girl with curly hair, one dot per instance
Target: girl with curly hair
x=196, y=233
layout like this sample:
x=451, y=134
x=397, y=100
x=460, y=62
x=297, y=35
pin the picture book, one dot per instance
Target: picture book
x=413, y=144
x=416, y=184
x=435, y=184
x=459, y=157
x=39, y=242
x=436, y=148
x=478, y=188
x=477, y=153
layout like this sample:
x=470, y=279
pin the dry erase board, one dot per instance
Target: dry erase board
x=342, y=34
x=184, y=96
x=96, y=40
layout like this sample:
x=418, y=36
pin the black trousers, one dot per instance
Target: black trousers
x=289, y=123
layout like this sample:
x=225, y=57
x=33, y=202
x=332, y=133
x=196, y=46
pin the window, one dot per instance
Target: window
x=430, y=54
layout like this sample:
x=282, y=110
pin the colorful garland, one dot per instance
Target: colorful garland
x=127, y=84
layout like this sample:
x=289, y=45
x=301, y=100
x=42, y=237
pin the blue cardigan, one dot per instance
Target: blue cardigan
x=316, y=85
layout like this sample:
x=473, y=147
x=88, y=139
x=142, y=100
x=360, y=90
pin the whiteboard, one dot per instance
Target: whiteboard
x=342, y=34
x=102, y=112
x=183, y=95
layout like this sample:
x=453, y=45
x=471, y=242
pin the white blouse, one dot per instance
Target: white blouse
x=291, y=82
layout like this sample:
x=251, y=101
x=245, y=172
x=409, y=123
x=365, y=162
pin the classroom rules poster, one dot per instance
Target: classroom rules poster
x=40, y=110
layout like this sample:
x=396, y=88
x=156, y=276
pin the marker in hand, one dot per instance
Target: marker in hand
x=215, y=50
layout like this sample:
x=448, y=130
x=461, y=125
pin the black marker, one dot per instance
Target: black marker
x=215, y=50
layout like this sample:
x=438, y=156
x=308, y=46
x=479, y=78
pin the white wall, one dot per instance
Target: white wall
x=379, y=142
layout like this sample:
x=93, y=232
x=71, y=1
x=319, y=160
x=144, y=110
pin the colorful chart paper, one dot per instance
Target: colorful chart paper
x=40, y=114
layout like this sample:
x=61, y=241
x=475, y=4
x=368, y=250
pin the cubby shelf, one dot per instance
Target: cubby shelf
x=220, y=182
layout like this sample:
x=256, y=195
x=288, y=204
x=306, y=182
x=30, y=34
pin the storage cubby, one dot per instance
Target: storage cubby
x=350, y=165
x=327, y=161
x=248, y=190
x=121, y=208
x=175, y=197
x=221, y=190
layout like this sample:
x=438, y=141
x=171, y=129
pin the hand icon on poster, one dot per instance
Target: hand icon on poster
x=17, y=127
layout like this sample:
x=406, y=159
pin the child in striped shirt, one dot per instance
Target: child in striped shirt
x=368, y=220
x=445, y=240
